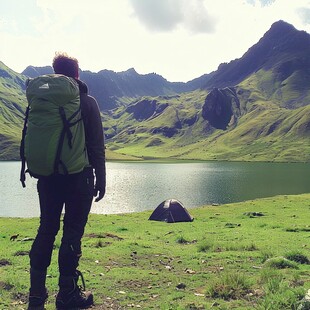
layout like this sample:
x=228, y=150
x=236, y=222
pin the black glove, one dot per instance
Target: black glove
x=99, y=194
x=99, y=190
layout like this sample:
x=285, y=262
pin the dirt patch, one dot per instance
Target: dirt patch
x=21, y=253
x=22, y=297
x=108, y=303
x=5, y=286
x=4, y=262
x=136, y=285
x=105, y=235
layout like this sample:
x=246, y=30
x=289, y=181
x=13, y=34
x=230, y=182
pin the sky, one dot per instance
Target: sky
x=177, y=39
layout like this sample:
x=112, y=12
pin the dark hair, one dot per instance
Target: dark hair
x=66, y=65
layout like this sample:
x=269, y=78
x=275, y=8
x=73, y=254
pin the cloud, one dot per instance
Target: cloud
x=304, y=14
x=167, y=15
x=196, y=17
x=158, y=15
x=262, y=2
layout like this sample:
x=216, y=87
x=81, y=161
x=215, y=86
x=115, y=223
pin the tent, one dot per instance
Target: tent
x=171, y=211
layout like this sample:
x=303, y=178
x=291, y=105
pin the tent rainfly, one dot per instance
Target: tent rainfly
x=171, y=211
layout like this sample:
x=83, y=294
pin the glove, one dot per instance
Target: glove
x=99, y=194
x=99, y=190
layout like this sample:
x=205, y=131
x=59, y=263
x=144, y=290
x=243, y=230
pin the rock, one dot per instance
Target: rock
x=221, y=108
x=14, y=237
x=181, y=286
x=27, y=239
x=254, y=214
x=232, y=225
x=143, y=109
x=190, y=271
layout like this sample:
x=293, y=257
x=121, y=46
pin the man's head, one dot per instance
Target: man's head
x=66, y=65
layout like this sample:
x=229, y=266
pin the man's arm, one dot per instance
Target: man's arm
x=94, y=137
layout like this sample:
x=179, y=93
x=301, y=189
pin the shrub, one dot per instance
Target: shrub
x=231, y=285
x=280, y=263
x=267, y=275
x=297, y=257
x=265, y=255
x=205, y=246
x=278, y=294
x=251, y=247
x=181, y=240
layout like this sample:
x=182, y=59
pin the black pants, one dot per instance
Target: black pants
x=75, y=193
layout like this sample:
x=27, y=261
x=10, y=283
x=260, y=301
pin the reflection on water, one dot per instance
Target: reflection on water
x=133, y=187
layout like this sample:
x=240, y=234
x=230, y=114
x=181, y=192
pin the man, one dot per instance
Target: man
x=75, y=192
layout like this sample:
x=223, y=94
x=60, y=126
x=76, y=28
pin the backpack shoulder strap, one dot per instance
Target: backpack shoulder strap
x=22, y=149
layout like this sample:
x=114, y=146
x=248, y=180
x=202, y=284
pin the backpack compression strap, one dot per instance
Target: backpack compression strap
x=66, y=131
x=22, y=149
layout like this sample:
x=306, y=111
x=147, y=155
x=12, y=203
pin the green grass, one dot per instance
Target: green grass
x=223, y=259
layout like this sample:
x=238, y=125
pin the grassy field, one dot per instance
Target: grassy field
x=248, y=255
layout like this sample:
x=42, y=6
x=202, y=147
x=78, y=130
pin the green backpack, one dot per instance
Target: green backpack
x=53, y=140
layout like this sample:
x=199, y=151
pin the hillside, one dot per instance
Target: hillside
x=191, y=126
x=12, y=107
x=254, y=108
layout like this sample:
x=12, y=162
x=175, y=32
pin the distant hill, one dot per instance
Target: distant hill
x=113, y=89
x=255, y=108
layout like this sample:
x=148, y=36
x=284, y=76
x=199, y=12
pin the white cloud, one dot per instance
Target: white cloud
x=167, y=15
x=304, y=14
x=262, y=2
x=197, y=18
x=158, y=15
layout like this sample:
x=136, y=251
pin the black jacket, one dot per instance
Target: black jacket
x=94, y=135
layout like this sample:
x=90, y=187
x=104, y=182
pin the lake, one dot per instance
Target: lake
x=134, y=187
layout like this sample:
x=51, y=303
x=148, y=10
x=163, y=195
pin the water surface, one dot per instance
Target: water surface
x=133, y=187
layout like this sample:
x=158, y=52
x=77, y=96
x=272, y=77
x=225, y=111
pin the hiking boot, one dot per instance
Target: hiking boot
x=38, y=292
x=72, y=296
x=36, y=302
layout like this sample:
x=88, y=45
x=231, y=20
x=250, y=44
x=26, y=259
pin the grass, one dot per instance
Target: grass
x=222, y=259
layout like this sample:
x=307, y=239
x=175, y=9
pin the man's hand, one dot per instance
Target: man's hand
x=100, y=184
x=99, y=194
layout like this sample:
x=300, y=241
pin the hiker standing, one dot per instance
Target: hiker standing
x=72, y=154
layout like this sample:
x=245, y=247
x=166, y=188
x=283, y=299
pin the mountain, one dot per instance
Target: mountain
x=33, y=72
x=255, y=108
x=282, y=49
x=112, y=89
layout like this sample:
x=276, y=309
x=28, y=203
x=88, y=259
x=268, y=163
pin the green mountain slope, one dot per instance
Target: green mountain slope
x=12, y=107
x=259, y=131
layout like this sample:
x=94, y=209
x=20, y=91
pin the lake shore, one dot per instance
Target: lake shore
x=244, y=255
